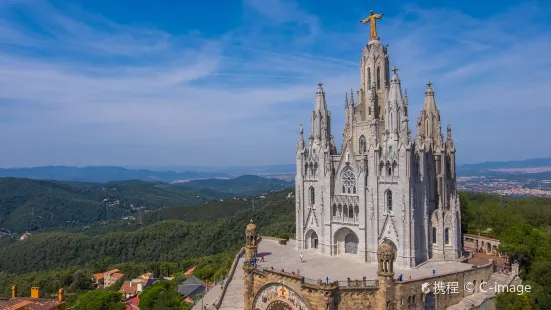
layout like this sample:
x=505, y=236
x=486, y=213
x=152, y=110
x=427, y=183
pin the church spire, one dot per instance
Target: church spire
x=320, y=98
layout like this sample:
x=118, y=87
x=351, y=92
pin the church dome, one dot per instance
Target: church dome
x=251, y=226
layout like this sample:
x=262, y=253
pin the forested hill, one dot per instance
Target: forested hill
x=31, y=205
x=171, y=240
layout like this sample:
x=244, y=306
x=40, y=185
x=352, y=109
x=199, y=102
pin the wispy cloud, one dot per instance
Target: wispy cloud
x=100, y=92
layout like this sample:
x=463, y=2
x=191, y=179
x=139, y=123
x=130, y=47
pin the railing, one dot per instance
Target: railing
x=218, y=302
x=358, y=283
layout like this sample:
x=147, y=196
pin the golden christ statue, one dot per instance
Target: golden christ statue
x=372, y=20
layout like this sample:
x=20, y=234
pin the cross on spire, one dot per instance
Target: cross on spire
x=429, y=84
x=395, y=69
x=320, y=83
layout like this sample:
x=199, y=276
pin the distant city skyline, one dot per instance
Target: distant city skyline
x=130, y=84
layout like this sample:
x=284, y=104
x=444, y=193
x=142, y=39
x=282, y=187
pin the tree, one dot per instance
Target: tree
x=513, y=301
x=100, y=300
x=159, y=296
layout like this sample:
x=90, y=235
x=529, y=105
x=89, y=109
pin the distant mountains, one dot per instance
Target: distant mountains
x=30, y=205
x=105, y=174
x=528, y=163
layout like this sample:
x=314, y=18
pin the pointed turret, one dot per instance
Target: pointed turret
x=429, y=120
x=346, y=114
x=300, y=139
x=320, y=98
x=395, y=119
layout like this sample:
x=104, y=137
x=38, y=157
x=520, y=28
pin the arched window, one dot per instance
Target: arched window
x=306, y=169
x=345, y=211
x=369, y=109
x=447, y=236
x=395, y=168
x=334, y=210
x=348, y=181
x=368, y=78
x=389, y=200
x=354, y=190
x=378, y=78
x=363, y=145
x=390, y=149
x=388, y=169
x=312, y=196
x=351, y=212
x=434, y=235
x=343, y=189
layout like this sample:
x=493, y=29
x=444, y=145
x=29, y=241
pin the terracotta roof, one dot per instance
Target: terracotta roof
x=190, y=271
x=29, y=303
x=129, y=288
x=117, y=275
x=112, y=271
x=188, y=300
x=132, y=303
x=98, y=276
x=483, y=237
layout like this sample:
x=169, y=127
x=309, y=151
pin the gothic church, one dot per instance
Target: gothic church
x=383, y=185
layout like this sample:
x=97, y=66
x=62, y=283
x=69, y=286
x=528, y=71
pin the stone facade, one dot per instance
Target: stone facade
x=383, y=184
x=273, y=289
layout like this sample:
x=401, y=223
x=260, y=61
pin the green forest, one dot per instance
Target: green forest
x=39, y=205
x=169, y=240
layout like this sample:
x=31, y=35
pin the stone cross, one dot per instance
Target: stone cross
x=429, y=84
x=395, y=69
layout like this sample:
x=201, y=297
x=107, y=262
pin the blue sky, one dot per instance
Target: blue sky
x=228, y=82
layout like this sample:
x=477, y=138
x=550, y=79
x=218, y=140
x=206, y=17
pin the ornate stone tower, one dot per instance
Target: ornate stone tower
x=250, y=263
x=385, y=271
x=435, y=183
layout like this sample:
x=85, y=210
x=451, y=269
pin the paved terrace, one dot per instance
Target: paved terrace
x=318, y=266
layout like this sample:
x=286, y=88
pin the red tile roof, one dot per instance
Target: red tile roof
x=29, y=303
x=132, y=303
x=117, y=275
x=190, y=271
x=129, y=288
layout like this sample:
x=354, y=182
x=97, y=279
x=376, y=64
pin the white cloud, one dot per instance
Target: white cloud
x=92, y=83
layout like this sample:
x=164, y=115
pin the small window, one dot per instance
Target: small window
x=378, y=78
x=363, y=145
x=334, y=210
x=351, y=212
x=434, y=235
x=354, y=190
x=447, y=236
x=312, y=196
x=390, y=149
x=368, y=78
x=389, y=200
x=389, y=171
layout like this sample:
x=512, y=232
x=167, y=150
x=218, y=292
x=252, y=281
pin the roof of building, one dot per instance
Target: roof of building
x=129, y=288
x=112, y=271
x=29, y=303
x=98, y=276
x=117, y=275
x=478, y=236
x=132, y=303
x=191, y=287
x=190, y=271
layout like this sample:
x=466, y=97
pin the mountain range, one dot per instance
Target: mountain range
x=101, y=174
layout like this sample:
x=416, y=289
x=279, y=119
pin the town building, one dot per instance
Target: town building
x=111, y=277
